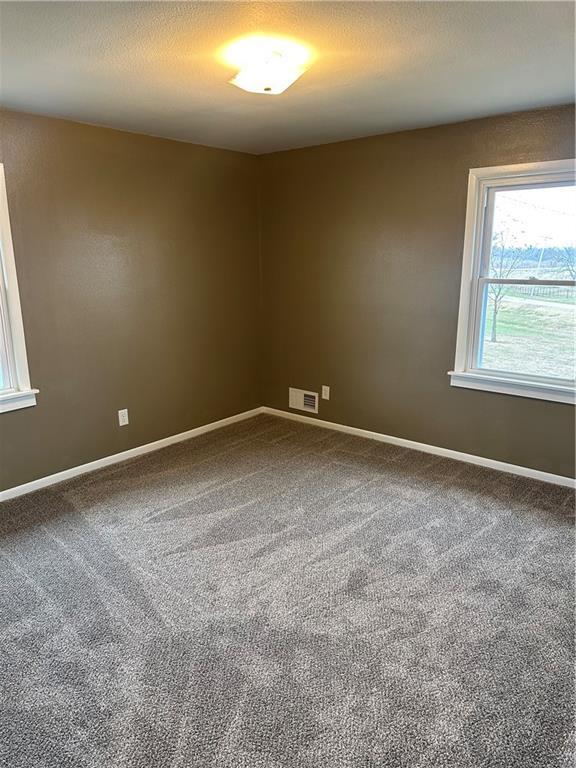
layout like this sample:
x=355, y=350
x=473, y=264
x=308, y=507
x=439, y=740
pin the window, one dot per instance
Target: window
x=15, y=390
x=517, y=319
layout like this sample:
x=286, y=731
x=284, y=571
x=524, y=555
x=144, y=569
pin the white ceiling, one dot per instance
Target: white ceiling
x=382, y=66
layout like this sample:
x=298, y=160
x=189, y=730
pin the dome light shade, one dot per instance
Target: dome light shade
x=265, y=64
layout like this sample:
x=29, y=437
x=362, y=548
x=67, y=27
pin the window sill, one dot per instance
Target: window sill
x=504, y=386
x=12, y=401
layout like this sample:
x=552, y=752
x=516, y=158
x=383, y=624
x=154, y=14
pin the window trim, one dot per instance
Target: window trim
x=21, y=394
x=479, y=212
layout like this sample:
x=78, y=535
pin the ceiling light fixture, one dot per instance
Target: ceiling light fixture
x=266, y=64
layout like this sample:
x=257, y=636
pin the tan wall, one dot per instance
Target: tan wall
x=139, y=278
x=137, y=260
x=362, y=251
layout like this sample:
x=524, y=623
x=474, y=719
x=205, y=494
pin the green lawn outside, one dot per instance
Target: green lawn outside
x=534, y=336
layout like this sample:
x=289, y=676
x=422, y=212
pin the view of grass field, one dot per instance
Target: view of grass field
x=536, y=335
x=530, y=328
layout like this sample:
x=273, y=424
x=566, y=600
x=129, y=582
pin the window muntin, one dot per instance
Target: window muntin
x=517, y=319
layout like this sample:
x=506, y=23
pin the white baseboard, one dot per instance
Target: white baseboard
x=66, y=474
x=501, y=466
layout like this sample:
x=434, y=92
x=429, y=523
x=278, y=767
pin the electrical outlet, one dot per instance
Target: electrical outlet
x=325, y=392
x=123, y=417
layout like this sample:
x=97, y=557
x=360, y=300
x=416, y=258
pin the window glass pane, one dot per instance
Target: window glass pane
x=528, y=329
x=534, y=234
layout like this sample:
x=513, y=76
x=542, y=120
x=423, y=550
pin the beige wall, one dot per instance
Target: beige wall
x=137, y=260
x=362, y=251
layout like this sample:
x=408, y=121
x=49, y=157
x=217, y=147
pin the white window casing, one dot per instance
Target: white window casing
x=16, y=392
x=482, y=185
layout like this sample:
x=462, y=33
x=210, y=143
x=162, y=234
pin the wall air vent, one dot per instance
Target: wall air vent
x=301, y=400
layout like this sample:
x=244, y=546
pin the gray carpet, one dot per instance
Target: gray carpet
x=275, y=595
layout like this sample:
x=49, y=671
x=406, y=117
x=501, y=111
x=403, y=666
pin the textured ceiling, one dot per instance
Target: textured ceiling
x=152, y=67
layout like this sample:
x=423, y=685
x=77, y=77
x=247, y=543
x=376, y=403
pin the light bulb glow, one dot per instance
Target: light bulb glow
x=266, y=64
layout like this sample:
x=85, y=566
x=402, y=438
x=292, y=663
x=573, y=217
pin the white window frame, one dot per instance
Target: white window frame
x=477, y=240
x=20, y=394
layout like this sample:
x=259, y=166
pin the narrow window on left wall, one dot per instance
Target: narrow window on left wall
x=15, y=389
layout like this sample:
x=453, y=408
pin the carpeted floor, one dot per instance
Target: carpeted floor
x=275, y=595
